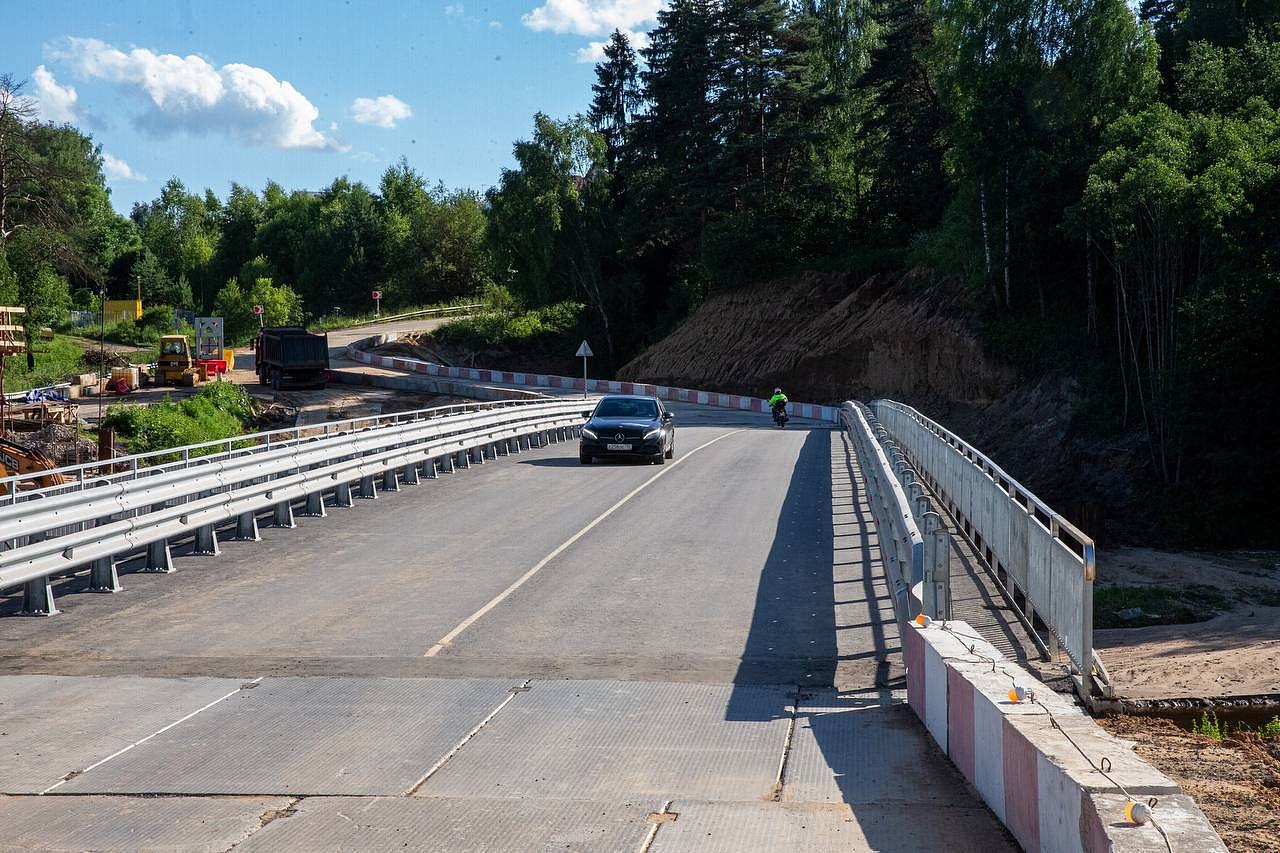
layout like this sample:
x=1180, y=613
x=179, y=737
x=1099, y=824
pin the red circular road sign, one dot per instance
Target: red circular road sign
x=257, y=309
x=377, y=294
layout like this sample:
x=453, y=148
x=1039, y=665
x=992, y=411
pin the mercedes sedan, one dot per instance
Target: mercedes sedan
x=625, y=427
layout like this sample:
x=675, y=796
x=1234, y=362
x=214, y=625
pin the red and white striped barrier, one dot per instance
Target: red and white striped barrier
x=1027, y=758
x=356, y=351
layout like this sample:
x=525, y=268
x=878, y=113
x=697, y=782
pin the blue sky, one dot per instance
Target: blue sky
x=302, y=91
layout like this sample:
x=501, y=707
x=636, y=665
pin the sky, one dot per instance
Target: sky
x=304, y=91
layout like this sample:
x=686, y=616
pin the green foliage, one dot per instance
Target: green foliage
x=218, y=410
x=1163, y=605
x=281, y=307
x=544, y=330
x=54, y=361
x=1208, y=726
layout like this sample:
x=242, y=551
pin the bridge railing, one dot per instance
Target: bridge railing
x=901, y=543
x=1044, y=564
x=94, y=520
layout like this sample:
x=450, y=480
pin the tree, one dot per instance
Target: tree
x=617, y=96
x=281, y=307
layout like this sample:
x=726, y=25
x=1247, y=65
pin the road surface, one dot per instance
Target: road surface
x=528, y=655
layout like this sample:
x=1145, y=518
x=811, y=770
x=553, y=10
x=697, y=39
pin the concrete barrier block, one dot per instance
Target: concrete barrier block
x=1177, y=814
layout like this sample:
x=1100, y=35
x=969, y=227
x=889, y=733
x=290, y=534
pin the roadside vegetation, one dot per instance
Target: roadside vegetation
x=1208, y=725
x=218, y=410
x=1143, y=606
x=53, y=360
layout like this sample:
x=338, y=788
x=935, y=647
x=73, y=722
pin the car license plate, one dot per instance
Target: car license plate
x=617, y=447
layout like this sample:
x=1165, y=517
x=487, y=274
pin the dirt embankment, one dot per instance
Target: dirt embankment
x=825, y=337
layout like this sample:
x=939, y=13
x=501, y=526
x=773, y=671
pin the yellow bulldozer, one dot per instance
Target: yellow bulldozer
x=175, y=365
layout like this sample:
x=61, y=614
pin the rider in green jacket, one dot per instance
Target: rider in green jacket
x=778, y=401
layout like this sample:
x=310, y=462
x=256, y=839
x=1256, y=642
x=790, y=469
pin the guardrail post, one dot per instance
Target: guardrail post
x=159, y=558
x=37, y=598
x=410, y=474
x=464, y=458
x=342, y=495
x=207, y=541
x=478, y=453
x=103, y=576
x=502, y=448
x=937, y=567
x=247, y=527
x=389, y=481
x=315, y=506
x=448, y=464
x=368, y=490
x=513, y=445
x=283, y=516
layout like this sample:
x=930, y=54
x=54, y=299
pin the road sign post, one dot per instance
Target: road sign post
x=377, y=303
x=584, y=352
x=260, y=311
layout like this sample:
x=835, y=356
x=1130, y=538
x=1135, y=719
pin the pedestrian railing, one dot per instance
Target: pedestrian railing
x=114, y=508
x=1043, y=563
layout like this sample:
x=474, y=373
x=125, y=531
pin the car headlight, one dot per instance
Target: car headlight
x=588, y=433
x=653, y=433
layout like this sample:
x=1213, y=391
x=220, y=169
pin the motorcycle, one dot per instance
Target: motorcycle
x=780, y=416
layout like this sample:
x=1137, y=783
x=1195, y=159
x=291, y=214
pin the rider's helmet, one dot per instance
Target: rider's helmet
x=777, y=390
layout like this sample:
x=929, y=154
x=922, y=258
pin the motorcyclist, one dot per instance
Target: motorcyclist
x=778, y=402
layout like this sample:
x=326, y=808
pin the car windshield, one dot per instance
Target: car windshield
x=621, y=408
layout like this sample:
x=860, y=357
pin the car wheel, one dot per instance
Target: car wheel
x=671, y=451
x=584, y=459
x=660, y=459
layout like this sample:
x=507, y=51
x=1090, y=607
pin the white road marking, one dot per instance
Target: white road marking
x=502, y=596
x=413, y=789
x=120, y=752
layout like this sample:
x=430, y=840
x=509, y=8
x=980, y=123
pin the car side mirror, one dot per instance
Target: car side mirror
x=668, y=416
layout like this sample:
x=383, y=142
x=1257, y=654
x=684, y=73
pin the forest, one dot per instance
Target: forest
x=1098, y=180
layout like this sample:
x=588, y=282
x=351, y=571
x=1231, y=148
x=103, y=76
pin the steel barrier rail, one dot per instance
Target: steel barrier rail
x=1032, y=551
x=901, y=545
x=139, y=464
x=423, y=312
x=64, y=533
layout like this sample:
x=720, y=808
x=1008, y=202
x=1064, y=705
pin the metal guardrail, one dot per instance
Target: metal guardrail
x=424, y=312
x=1034, y=553
x=92, y=521
x=901, y=545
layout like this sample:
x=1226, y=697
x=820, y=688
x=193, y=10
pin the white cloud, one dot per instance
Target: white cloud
x=118, y=170
x=189, y=93
x=495, y=25
x=455, y=10
x=594, y=52
x=55, y=102
x=592, y=17
x=383, y=111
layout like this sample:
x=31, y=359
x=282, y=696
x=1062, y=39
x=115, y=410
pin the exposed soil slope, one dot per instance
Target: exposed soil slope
x=825, y=338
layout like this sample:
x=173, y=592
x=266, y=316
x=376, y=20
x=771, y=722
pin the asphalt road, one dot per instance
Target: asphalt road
x=530, y=654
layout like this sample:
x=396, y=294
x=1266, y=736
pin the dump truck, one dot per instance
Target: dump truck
x=175, y=366
x=290, y=356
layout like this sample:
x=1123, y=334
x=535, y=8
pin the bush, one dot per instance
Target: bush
x=218, y=410
x=542, y=330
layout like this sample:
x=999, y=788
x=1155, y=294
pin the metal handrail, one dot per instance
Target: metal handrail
x=1052, y=563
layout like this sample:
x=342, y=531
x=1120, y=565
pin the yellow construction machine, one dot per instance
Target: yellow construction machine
x=175, y=365
x=17, y=458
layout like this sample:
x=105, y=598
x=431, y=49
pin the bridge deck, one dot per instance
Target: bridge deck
x=603, y=641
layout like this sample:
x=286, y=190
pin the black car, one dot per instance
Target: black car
x=626, y=427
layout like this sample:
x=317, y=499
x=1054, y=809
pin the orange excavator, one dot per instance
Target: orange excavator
x=17, y=458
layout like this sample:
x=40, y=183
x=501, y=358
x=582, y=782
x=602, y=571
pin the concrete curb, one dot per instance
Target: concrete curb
x=432, y=385
x=356, y=352
x=1023, y=759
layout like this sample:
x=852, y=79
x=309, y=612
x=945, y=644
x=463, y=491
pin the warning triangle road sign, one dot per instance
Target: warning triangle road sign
x=584, y=351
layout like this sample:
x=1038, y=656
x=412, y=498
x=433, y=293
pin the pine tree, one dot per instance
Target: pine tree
x=617, y=96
